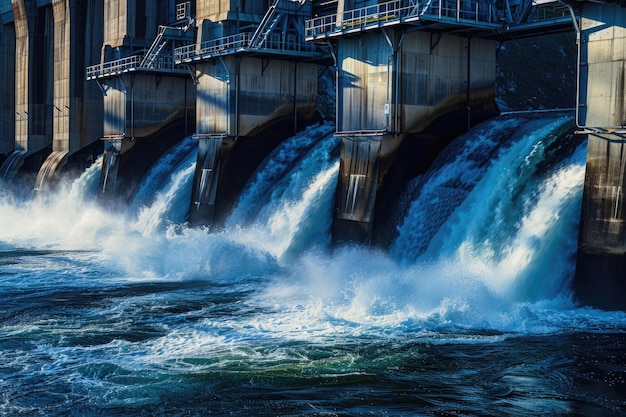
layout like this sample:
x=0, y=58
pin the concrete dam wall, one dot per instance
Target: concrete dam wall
x=410, y=76
x=130, y=78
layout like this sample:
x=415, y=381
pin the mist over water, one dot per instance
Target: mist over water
x=496, y=246
x=127, y=313
x=503, y=215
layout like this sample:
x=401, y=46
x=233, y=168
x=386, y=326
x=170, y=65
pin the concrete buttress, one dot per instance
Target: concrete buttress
x=601, y=114
x=255, y=87
x=77, y=110
x=392, y=87
x=149, y=101
x=34, y=67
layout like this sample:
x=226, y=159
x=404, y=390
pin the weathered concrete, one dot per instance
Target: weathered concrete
x=77, y=102
x=34, y=68
x=141, y=103
x=601, y=262
x=218, y=18
x=130, y=25
x=77, y=110
x=142, y=106
x=238, y=96
x=7, y=89
x=243, y=91
x=391, y=87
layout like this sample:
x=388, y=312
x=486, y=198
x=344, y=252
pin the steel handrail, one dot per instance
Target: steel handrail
x=240, y=42
x=115, y=66
x=131, y=63
x=467, y=11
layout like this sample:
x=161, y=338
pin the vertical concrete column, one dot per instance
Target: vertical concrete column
x=123, y=24
x=214, y=111
x=24, y=13
x=62, y=60
x=88, y=104
x=241, y=97
x=7, y=89
x=217, y=124
x=206, y=178
x=74, y=124
x=33, y=69
x=118, y=25
x=129, y=26
x=115, y=26
x=601, y=262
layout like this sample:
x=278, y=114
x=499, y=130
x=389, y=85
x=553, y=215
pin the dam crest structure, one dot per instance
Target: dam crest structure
x=130, y=78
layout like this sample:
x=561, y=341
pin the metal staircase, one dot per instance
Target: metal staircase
x=165, y=35
x=269, y=22
x=155, y=49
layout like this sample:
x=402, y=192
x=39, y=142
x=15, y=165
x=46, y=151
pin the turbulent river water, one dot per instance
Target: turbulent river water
x=470, y=312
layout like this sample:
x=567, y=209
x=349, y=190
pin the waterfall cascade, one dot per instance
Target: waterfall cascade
x=502, y=200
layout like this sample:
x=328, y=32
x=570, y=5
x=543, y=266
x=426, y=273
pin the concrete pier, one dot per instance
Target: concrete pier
x=77, y=104
x=400, y=74
x=601, y=114
x=50, y=114
x=239, y=99
x=149, y=102
x=34, y=68
x=411, y=76
x=254, y=72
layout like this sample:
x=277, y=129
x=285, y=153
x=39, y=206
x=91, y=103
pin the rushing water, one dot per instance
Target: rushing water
x=470, y=311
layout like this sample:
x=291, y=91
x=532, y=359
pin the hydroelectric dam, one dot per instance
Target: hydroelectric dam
x=129, y=79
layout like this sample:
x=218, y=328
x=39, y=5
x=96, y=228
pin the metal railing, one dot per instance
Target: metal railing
x=219, y=46
x=472, y=12
x=114, y=67
x=275, y=42
x=266, y=26
x=164, y=62
x=547, y=12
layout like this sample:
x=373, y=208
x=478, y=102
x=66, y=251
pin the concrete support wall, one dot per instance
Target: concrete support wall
x=241, y=97
x=150, y=104
x=421, y=75
x=34, y=31
x=435, y=75
x=7, y=89
x=601, y=262
x=140, y=108
x=391, y=87
x=233, y=16
x=76, y=109
x=238, y=96
x=139, y=105
x=130, y=26
x=77, y=113
x=603, y=37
